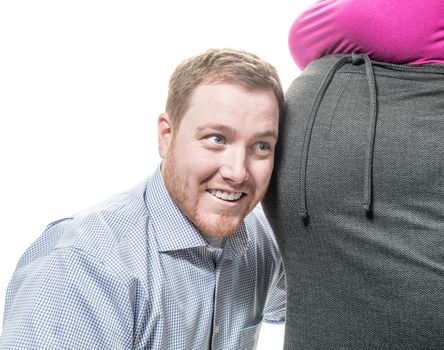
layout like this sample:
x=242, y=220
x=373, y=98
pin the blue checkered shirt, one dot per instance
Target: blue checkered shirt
x=135, y=273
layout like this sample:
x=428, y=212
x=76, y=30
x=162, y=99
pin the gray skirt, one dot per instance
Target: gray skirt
x=357, y=204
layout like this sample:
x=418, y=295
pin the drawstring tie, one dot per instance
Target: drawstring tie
x=368, y=171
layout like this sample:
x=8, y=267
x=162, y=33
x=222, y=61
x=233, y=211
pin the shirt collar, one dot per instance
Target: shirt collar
x=174, y=231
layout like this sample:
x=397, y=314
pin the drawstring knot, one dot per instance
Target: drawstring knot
x=357, y=58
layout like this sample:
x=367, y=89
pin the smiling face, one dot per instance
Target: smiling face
x=217, y=165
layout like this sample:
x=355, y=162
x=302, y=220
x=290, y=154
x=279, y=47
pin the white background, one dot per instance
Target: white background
x=81, y=85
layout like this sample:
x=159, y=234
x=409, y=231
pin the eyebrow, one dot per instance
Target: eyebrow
x=228, y=130
x=268, y=133
x=216, y=127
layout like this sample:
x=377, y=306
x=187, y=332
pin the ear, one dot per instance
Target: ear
x=164, y=133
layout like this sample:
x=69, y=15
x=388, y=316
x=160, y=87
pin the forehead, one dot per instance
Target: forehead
x=234, y=105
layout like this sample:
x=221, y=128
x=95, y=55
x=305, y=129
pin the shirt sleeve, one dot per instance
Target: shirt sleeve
x=276, y=303
x=66, y=300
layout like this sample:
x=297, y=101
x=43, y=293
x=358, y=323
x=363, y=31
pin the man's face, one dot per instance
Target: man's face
x=218, y=164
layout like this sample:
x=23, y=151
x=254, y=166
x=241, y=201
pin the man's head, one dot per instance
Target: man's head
x=218, y=135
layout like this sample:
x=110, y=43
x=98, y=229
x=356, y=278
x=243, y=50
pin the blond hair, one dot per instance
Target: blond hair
x=219, y=66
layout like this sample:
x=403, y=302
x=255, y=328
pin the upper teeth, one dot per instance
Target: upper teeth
x=233, y=196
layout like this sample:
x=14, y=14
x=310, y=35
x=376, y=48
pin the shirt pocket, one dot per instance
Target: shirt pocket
x=249, y=336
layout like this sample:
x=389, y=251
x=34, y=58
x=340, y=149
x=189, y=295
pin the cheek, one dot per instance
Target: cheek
x=262, y=174
x=198, y=169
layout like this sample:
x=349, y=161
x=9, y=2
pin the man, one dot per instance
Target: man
x=182, y=261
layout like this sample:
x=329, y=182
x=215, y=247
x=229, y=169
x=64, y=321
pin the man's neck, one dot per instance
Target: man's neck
x=214, y=241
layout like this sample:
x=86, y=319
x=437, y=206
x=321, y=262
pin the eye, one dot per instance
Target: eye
x=262, y=146
x=216, y=139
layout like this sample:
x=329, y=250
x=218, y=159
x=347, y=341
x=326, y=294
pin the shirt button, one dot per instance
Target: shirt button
x=216, y=329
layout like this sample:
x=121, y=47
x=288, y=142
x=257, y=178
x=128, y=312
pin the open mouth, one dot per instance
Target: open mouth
x=226, y=196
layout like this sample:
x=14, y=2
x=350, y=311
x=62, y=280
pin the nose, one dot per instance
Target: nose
x=234, y=168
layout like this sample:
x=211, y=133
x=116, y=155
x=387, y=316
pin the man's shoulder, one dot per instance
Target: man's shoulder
x=100, y=228
x=95, y=231
x=258, y=227
x=256, y=218
x=262, y=246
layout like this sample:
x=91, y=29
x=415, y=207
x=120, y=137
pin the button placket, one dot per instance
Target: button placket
x=217, y=257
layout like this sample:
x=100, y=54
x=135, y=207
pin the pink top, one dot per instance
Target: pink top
x=398, y=31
